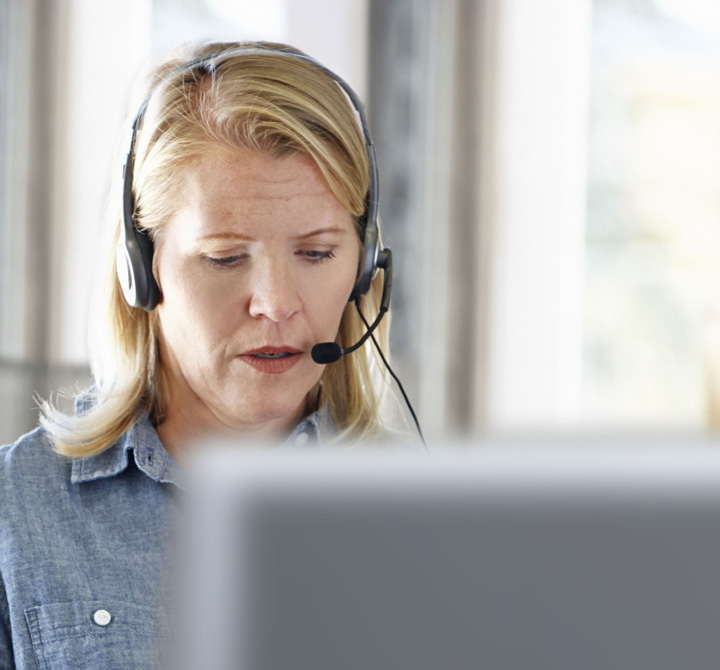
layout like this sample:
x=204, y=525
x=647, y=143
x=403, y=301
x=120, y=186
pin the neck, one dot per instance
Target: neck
x=183, y=430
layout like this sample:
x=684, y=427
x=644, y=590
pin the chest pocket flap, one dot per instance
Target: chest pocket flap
x=87, y=635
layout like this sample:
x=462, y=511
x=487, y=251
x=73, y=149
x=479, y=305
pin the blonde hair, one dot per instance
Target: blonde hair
x=260, y=99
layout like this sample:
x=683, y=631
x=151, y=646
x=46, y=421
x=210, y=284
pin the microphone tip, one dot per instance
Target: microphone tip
x=326, y=352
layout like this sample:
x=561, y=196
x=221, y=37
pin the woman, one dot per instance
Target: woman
x=249, y=223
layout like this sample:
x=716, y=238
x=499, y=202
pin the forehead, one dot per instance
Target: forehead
x=247, y=191
x=247, y=174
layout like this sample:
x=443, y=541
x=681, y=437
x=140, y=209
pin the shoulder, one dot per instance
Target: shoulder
x=34, y=446
x=29, y=463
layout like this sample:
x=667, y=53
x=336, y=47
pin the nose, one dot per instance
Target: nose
x=274, y=292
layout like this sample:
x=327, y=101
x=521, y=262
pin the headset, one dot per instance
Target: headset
x=135, y=247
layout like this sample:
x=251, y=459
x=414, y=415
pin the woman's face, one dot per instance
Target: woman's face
x=255, y=267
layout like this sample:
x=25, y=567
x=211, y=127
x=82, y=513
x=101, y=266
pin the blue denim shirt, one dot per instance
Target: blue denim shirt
x=84, y=547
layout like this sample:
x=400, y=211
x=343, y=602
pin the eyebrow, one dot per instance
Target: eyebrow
x=321, y=231
x=225, y=236
x=247, y=238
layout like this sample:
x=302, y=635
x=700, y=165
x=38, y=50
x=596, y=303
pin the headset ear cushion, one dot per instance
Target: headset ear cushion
x=369, y=261
x=134, y=270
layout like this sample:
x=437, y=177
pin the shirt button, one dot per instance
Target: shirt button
x=102, y=617
x=302, y=439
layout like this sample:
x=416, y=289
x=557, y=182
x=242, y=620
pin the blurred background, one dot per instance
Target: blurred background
x=550, y=187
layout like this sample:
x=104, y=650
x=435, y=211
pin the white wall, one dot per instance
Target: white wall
x=106, y=46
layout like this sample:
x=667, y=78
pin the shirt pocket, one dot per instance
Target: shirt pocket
x=89, y=635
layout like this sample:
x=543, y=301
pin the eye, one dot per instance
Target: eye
x=226, y=261
x=316, y=256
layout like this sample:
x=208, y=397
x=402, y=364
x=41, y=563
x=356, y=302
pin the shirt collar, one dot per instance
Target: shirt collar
x=309, y=432
x=153, y=459
x=149, y=455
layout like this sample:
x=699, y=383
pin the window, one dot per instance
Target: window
x=652, y=295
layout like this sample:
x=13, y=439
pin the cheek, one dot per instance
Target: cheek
x=330, y=298
x=193, y=312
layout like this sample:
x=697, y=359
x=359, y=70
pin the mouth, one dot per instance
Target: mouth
x=262, y=354
x=272, y=360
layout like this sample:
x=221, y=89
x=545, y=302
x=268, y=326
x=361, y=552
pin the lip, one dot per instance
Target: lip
x=273, y=366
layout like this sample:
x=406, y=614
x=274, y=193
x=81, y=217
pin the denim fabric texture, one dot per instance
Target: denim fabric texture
x=85, y=550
